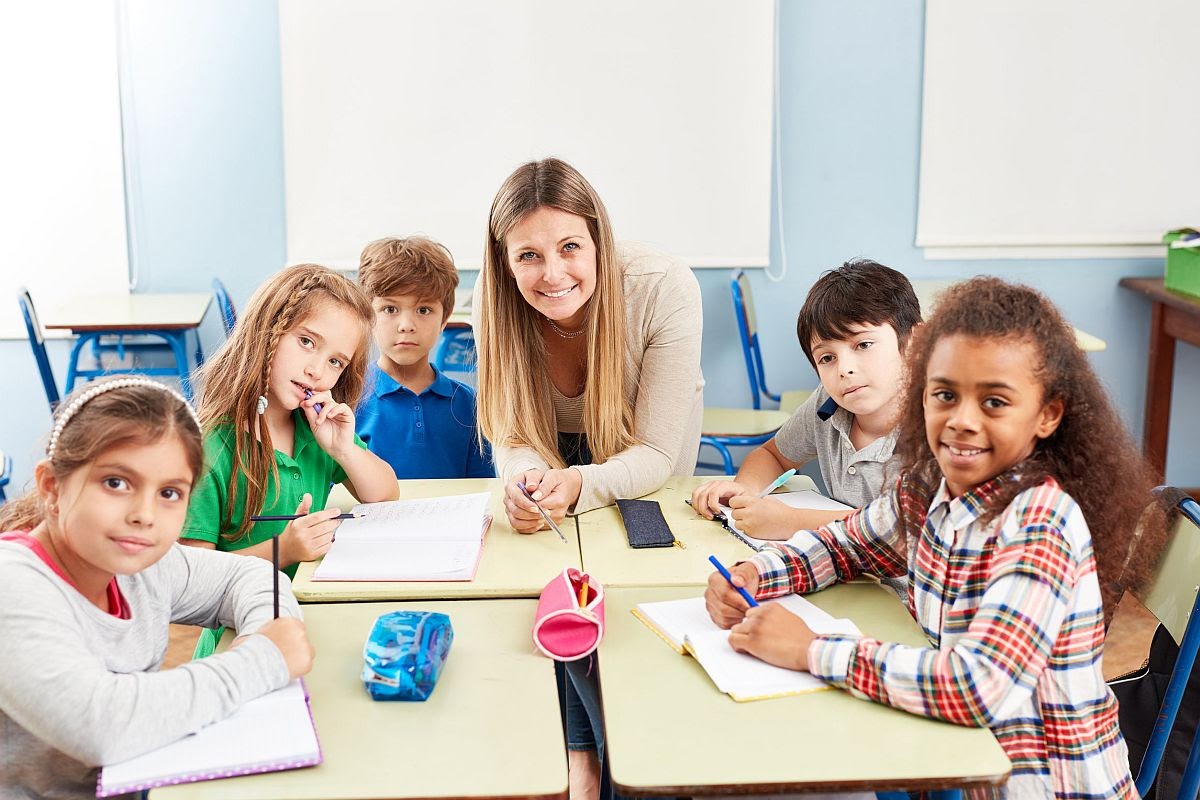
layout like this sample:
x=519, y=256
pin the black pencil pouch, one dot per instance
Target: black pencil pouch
x=644, y=523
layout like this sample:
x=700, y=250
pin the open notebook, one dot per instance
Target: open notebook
x=431, y=539
x=274, y=732
x=686, y=626
x=805, y=498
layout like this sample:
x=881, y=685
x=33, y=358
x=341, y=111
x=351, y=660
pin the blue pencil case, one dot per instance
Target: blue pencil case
x=405, y=653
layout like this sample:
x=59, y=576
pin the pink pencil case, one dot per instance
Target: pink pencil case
x=569, y=622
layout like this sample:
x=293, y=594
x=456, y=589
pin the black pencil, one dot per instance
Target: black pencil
x=290, y=517
x=275, y=565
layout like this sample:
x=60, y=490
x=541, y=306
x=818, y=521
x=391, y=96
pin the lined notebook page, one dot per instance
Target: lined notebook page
x=431, y=539
x=274, y=732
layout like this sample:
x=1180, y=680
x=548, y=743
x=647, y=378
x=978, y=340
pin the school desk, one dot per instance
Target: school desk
x=491, y=728
x=1173, y=317
x=168, y=317
x=671, y=732
x=608, y=556
x=513, y=564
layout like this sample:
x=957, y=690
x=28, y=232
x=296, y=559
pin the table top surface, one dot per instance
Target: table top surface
x=672, y=732
x=151, y=311
x=1156, y=289
x=608, y=556
x=512, y=564
x=495, y=708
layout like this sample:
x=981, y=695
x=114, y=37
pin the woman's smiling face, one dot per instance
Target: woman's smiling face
x=553, y=259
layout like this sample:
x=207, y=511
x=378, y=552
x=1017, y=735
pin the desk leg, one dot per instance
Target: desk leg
x=1159, y=379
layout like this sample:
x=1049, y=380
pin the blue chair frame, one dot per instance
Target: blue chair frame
x=224, y=305
x=722, y=444
x=1189, y=783
x=37, y=343
x=743, y=312
x=5, y=473
x=455, y=351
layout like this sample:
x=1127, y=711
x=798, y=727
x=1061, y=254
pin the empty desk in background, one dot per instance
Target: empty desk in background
x=166, y=316
x=608, y=556
x=672, y=732
x=1173, y=317
x=491, y=728
x=512, y=565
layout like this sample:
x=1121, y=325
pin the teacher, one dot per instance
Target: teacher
x=589, y=378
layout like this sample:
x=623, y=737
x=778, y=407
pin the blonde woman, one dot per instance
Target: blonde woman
x=589, y=371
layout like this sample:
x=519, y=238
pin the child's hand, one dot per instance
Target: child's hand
x=291, y=637
x=763, y=517
x=725, y=605
x=333, y=427
x=309, y=537
x=706, y=496
x=523, y=515
x=775, y=635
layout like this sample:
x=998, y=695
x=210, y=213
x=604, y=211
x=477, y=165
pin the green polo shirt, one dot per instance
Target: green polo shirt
x=308, y=470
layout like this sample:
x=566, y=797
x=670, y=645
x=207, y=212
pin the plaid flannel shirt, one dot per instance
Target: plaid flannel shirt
x=1013, y=614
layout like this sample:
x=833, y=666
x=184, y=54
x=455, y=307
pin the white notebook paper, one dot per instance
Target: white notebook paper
x=430, y=539
x=686, y=626
x=274, y=732
x=804, y=498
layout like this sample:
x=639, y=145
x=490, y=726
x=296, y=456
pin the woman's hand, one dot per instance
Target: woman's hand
x=309, y=537
x=762, y=517
x=555, y=490
x=333, y=426
x=707, y=496
x=775, y=635
x=724, y=603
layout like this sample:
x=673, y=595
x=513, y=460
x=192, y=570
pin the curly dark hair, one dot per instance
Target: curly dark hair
x=1090, y=454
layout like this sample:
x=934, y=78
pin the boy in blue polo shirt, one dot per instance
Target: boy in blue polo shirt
x=412, y=416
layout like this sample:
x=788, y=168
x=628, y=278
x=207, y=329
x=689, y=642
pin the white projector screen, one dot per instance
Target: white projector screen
x=1070, y=124
x=404, y=117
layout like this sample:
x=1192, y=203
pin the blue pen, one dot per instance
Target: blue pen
x=318, y=406
x=725, y=573
x=775, y=484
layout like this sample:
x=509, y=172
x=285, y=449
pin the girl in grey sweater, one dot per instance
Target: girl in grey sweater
x=90, y=577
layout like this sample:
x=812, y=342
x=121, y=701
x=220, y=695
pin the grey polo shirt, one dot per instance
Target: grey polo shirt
x=820, y=429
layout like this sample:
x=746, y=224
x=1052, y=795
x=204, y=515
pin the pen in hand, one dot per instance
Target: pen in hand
x=542, y=511
x=740, y=589
x=775, y=484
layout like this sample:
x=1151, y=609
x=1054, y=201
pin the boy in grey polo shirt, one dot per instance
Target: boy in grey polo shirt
x=853, y=328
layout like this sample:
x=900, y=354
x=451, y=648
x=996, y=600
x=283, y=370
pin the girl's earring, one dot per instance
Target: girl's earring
x=262, y=404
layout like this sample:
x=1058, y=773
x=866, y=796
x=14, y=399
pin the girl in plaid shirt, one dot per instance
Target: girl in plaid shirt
x=1013, y=520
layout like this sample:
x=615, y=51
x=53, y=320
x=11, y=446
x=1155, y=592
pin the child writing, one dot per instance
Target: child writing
x=418, y=420
x=1013, y=518
x=853, y=327
x=90, y=577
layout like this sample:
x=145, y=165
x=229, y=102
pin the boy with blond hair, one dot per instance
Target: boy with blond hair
x=412, y=416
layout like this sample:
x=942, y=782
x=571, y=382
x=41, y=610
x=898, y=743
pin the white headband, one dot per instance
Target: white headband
x=79, y=402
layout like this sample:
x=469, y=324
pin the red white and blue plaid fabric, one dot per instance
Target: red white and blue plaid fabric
x=1013, y=614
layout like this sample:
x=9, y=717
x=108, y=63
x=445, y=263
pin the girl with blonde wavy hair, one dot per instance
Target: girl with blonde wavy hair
x=277, y=410
x=589, y=373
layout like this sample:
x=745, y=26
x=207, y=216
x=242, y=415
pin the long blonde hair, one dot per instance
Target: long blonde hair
x=239, y=372
x=515, y=406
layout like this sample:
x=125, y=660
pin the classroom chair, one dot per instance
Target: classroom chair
x=37, y=342
x=747, y=322
x=1174, y=598
x=224, y=305
x=5, y=472
x=455, y=351
x=723, y=428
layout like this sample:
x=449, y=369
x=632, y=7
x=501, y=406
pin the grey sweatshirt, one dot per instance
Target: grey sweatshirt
x=80, y=688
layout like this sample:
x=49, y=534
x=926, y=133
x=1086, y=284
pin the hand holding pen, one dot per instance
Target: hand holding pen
x=730, y=594
x=553, y=525
x=309, y=535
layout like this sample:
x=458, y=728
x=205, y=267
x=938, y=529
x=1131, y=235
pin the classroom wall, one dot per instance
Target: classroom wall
x=208, y=149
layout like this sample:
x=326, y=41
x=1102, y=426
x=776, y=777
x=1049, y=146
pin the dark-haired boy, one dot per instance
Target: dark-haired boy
x=853, y=327
x=414, y=417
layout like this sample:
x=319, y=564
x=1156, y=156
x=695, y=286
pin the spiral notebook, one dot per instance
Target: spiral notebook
x=272, y=733
x=686, y=627
x=429, y=539
x=804, y=498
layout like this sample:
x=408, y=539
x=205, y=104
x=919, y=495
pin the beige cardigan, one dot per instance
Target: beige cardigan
x=664, y=322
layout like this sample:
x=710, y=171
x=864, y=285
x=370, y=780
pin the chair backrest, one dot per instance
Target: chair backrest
x=225, y=305
x=743, y=312
x=37, y=343
x=5, y=472
x=1174, y=598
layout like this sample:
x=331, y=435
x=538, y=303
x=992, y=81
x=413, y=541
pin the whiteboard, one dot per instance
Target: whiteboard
x=62, y=195
x=1070, y=124
x=401, y=117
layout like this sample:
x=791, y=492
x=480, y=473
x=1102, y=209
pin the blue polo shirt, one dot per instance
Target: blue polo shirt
x=426, y=435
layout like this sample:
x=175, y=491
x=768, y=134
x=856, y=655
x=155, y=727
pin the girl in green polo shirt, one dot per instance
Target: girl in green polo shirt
x=278, y=420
